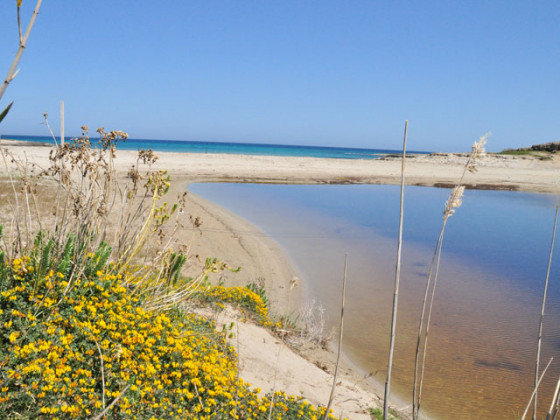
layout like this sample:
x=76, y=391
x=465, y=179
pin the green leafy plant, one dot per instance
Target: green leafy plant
x=377, y=414
x=6, y=110
x=260, y=290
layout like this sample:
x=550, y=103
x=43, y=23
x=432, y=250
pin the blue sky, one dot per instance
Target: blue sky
x=333, y=73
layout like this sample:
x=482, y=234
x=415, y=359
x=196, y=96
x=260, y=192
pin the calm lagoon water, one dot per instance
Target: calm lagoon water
x=480, y=361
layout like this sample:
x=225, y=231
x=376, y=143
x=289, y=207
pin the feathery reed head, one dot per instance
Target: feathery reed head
x=477, y=152
x=454, y=201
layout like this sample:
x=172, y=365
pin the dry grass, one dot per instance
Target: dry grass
x=82, y=196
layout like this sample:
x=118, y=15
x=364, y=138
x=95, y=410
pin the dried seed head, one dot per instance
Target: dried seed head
x=196, y=221
x=148, y=157
x=455, y=200
x=477, y=152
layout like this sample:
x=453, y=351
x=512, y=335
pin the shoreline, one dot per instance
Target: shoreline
x=355, y=390
x=495, y=172
x=238, y=243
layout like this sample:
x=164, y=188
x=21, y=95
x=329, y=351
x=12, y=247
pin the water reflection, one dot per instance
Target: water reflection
x=483, y=337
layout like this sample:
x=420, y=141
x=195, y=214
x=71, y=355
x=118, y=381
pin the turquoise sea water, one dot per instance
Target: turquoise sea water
x=486, y=313
x=236, y=148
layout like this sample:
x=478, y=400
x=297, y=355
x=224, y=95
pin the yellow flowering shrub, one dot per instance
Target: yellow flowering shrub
x=249, y=301
x=73, y=345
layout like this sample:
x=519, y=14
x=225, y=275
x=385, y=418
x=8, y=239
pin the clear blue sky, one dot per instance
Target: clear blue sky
x=334, y=73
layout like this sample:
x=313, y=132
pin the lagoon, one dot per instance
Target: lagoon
x=480, y=361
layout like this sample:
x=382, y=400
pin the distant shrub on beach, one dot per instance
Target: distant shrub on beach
x=551, y=147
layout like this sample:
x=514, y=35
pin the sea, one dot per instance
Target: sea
x=480, y=361
x=232, y=148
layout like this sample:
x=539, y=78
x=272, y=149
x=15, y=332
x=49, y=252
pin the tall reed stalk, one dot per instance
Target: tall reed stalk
x=331, y=397
x=539, y=340
x=454, y=201
x=397, y=281
x=553, y=410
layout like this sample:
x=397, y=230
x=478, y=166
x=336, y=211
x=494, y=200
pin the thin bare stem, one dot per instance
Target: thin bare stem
x=555, y=411
x=421, y=323
x=46, y=118
x=425, y=348
x=12, y=72
x=274, y=381
x=19, y=24
x=535, y=390
x=397, y=280
x=117, y=398
x=331, y=397
x=237, y=371
x=554, y=402
x=198, y=395
x=539, y=340
x=15, y=207
x=102, y=371
x=62, y=123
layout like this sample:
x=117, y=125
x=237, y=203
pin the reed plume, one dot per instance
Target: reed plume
x=453, y=202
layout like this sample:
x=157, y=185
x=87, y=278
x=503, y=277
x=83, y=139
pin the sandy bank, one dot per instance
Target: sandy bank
x=235, y=241
x=518, y=173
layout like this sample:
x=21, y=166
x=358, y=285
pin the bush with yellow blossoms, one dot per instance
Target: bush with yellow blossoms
x=76, y=343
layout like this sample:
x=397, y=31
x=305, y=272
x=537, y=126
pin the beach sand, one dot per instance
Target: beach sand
x=501, y=172
x=265, y=361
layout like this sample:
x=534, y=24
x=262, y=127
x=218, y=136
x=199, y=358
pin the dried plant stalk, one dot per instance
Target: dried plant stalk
x=22, y=42
x=397, y=281
x=539, y=340
x=341, y=329
x=535, y=390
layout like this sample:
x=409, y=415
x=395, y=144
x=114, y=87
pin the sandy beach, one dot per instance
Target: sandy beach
x=500, y=172
x=265, y=361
